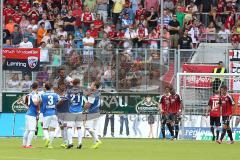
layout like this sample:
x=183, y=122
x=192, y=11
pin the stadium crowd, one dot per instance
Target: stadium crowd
x=107, y=24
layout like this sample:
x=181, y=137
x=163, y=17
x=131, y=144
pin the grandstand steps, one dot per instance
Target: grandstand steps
x=210, y=52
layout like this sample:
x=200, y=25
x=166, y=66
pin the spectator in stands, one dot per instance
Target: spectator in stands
x=185, y=42
x=88, y=43
x=78, y=37
x=87, y=19
x=44, y=53
x=24, y=23
x=211, y=33
x=58, y=22
x=10, y=25
x=61, y=32
x=194, y=34
x=33, y=13
x=229, y=21
x=48, y=38
x=25, y=43
x=142, y=34
x=6, y=35
x=62, y=41
x=223, y=35
x=31, y=36
x=153, y=43
x=69, y=23
x=168, y=4
x=91, y=4
x=192, y=6
x=126, y=21
x=16, y=36
x=205, y=7
x=180, y=15
x=7, y=44
x=174, y=28
x=108, y=77
x=14, y=81
x=17, y=16
x=102, y=6
x=46, y=22
x=166, y=17
x=149, y=4
x=106, y=48
x=166, y=38
x=131, y=37
x=152, y=18
x=8, y=12
x=33, y=25
x=77, y=13
x=98, y=23
x=141, y=21
x=235, y=38
x=127, y=10
x=26, y=83
x=140, y=11
x=117, y=9
x=134, y=5
x=41, y=33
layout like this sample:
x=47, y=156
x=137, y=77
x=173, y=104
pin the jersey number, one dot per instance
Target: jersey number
x=75, y=98
x=50, y=102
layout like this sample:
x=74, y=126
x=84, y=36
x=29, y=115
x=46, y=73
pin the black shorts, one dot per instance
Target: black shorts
x=164, y=118
x=215, y=121
x=174, y=117
x=226, y=120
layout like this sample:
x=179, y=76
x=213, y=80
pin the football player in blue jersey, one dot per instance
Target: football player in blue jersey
x=33, y=101
x=74, y=118
x=49, y=101
x=62, y=111
x=93, y=112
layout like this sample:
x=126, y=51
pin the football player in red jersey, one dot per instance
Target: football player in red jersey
x=175, y=110
x=227, y=105
x=215, y=113
x=164, y=104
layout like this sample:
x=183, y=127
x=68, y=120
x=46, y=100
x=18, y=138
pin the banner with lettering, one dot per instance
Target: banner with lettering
x=21, y=59
x=197, y=81
x=234, y=67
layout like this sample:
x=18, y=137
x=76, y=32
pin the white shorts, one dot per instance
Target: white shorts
x=50, y=121
x=30, y=123
x=74, y=124
x=93, y=123
x=61, y=119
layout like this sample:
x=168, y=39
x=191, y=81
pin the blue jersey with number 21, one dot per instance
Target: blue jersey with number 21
x=75, y=97
x=49, y=103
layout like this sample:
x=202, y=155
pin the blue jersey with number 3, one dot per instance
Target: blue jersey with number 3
x=49, y=103
x=75, y=97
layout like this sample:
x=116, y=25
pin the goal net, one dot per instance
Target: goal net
x=196, y=89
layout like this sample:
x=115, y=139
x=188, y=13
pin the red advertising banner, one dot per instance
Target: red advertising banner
x=198, y=81
x=20, y=59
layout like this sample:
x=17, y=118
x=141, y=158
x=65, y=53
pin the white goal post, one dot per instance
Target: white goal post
x=196, y=89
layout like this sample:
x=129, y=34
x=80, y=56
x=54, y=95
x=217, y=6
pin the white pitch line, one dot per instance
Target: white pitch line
x=25, y=158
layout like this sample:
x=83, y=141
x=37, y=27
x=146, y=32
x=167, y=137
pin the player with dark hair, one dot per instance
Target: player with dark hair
x=175, y=110
x=93, y=112
x=75, y=98
x=215, y=113
x=32, y=101
x=62, y=110
x=164, y=104
x=49, y=101
x=227, y=106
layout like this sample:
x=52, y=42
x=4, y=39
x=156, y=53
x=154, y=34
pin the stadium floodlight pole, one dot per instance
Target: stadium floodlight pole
x=1, y=57
x=161, y=38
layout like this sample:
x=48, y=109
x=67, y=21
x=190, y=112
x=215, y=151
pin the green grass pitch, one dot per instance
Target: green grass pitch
x=121, y=149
